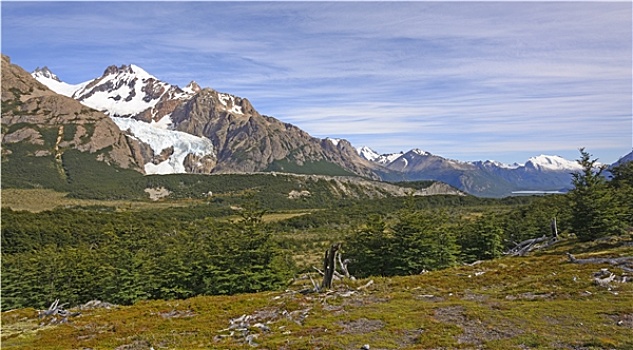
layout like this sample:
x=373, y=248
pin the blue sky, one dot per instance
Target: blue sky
x=464, y=80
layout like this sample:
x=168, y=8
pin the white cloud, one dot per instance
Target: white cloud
x=541, y=75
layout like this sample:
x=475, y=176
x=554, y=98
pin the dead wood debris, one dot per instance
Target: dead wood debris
x=529, y=245
x=55, y=314
x=604, y=278
x=246, y=329
x=625, y=263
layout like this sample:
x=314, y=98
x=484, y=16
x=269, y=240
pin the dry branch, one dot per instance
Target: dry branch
x=529, y=245
x=50, y=316
x=625, y=262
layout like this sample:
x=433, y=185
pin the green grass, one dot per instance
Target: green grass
x=539, y=302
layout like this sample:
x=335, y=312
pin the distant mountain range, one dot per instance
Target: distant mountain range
x=484, y=178
x=159, y=128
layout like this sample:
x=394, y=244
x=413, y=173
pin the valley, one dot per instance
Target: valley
x=139, y=215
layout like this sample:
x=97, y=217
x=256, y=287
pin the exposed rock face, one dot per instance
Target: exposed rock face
x=246, y=141
x=164, y=155
x=243, y=140
x=28, y=107
x=199, y=165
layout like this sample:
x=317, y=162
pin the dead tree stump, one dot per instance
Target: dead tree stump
x=329, y=265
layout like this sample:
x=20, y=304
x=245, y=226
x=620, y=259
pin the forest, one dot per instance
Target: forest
x=229, y=246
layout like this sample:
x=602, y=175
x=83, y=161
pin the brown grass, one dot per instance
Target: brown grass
x=37, y=200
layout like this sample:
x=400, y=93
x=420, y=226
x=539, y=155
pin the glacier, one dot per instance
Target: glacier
x=158, y=136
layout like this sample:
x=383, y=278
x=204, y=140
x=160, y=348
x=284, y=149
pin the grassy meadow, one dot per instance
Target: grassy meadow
x=536, y=302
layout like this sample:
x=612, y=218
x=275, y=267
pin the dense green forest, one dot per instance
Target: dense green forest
x=123, y=256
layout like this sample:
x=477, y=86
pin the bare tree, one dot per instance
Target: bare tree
x=329, y=265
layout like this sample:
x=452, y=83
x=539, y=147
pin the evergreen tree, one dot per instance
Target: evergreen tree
x=482, y=239
x=595, y=212
x=369, y=249
x=622, y=185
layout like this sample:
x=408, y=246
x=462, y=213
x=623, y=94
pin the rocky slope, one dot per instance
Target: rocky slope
x=241, y=139
x=50, y=123
x=246, y=141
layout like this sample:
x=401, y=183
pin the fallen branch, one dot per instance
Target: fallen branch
x=53, y=311
x=366, y=285
x=529, y=245
x=343, y=264
x=621, y=262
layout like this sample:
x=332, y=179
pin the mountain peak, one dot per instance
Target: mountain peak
x=334, y=141
x=493, y=163
x=368, y=153
x=192, y=87
x=420, y=152
x=552, y=163
x=44, y=72
x=131, y=69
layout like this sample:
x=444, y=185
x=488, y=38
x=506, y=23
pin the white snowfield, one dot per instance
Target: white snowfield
x=553, y=163
x=373, y=156
x=52, y=82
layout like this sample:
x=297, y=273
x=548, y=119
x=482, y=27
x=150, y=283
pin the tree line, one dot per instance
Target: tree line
x=80, y=254
x=124, y=263
x=411, y=241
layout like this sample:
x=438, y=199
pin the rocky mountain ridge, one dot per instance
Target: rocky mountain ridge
x=201, y=130
x=50, y=123
x=242, y=140
x=483, y=178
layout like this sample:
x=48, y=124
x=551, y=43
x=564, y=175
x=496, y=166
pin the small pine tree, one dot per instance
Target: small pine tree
x=482, y=239
x=594, y=209
x=622, y=185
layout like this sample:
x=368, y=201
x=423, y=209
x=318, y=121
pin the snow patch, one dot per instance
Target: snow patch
x=164, y=122
x=226, y=100
x=373, y=156
x=420, y=152
x=333, y=141
x=390, y=158
x=367, y=153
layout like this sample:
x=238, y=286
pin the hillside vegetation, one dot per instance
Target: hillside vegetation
x=236, y=268
x=536, y=302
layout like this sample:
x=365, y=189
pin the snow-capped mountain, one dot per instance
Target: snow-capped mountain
x=197, y=130
x=552, y=163
x=30, y=110
x=373, y=156
x=52, y=81
x=129, y=91
x=483, y=178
